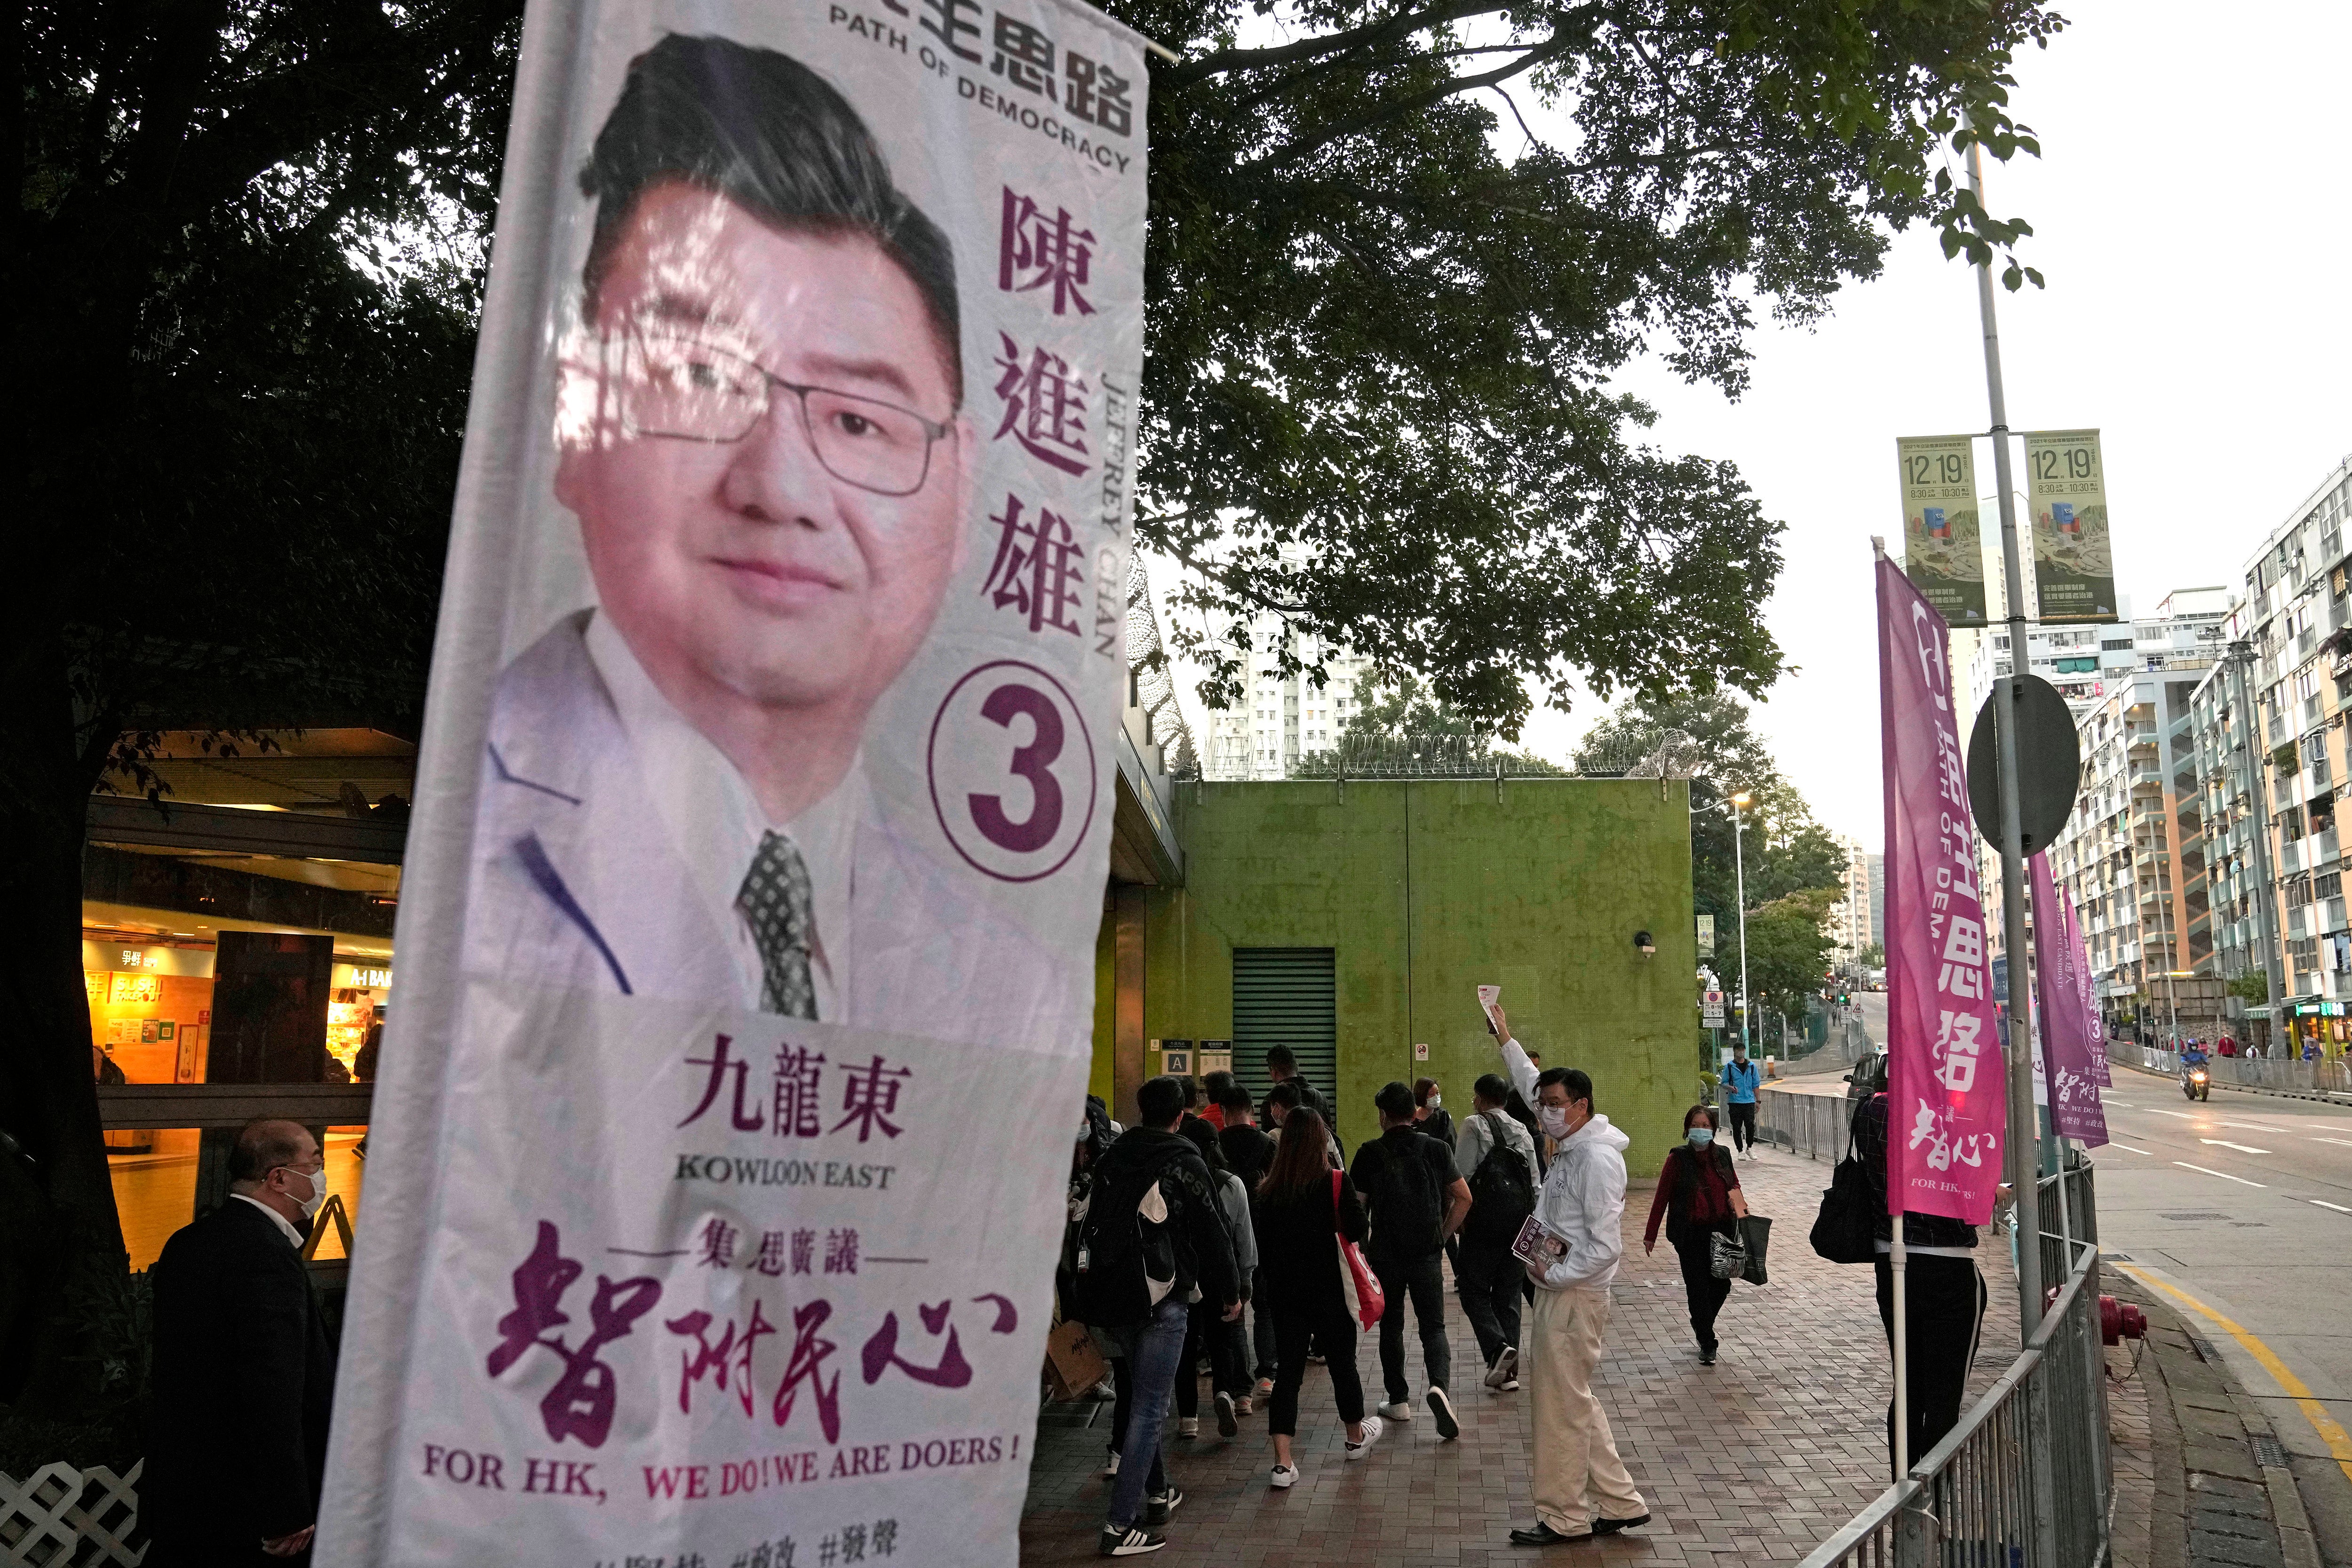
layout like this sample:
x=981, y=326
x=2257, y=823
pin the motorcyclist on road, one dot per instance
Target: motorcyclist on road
x=2192, y=1053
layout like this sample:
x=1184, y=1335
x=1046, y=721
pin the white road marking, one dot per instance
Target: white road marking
x=2340, y=1142
x=2225, y=1144
x=2323, y=1202
x=2124, y=1147
x=2185, y=1116
x=2223, y=1174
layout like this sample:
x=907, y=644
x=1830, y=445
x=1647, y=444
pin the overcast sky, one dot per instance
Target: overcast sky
x=2192, y=218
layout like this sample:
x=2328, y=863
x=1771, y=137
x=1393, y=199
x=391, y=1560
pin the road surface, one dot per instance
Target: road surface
x=2244, y=1203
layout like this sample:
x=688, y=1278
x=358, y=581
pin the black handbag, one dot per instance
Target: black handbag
x=1756, y=1232
x=1847, y=1230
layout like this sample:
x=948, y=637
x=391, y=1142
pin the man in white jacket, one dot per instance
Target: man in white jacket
x=1582, y=1489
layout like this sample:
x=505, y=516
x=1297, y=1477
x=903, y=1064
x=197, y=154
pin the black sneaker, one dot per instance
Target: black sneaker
x=1612, y=1526
x=1132, y=1542
x=1441, y=1407
x=1226, y=1424
x=1156, y=1509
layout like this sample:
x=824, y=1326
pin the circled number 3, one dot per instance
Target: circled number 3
x=1031, y=761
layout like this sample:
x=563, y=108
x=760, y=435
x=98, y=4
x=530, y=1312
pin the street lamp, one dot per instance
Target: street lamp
x=1739, y=871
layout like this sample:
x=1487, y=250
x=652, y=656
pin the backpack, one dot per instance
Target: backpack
x=1502, y=1194
x=1408, y=1204
x=1125, y=1261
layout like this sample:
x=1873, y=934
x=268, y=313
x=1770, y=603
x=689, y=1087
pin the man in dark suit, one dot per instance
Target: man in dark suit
x=243, y=1375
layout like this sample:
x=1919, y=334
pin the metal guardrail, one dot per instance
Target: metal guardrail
x=2251, y=1072
x=2023, y=1481
x=1813, y=1125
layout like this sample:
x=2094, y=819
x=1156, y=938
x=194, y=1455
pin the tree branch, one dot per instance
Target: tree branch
x=1403, y=24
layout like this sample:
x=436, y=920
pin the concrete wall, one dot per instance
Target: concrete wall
x=1424, y=891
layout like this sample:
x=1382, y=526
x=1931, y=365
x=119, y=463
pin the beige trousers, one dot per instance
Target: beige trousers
x=1578, y=1474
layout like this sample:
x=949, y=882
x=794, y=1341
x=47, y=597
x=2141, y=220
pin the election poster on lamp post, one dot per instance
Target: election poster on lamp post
x=2074, y=560
x=763, y=800
x=1943, y=553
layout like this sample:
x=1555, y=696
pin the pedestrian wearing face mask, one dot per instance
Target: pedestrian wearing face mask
x=1699, y=1198
x=243, y=1376
x=1582, y=1487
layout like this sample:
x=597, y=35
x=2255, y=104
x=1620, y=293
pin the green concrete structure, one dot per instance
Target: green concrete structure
x=1422, y=890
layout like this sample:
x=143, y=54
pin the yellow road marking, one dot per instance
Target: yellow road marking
x=2331, y=1431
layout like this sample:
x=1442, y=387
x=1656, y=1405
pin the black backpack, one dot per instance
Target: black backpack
x=1124, y=1265
x=1502, y=1194
x=1408, y=1204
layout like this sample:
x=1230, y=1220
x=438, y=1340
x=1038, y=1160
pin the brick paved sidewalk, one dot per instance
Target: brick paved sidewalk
x=1756, y=1458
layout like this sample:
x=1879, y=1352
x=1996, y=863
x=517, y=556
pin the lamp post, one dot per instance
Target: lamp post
x=1739, y=872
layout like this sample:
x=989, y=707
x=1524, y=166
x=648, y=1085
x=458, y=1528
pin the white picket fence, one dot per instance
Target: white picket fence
x=66, y=1518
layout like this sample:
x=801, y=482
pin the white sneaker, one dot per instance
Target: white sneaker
x=1510, y=1387
x=1111, y=1465
x=1188, y=1427
x=1285, y=1477
x=1372, y=1429
x=1397, y=1411
x=1441, y=1407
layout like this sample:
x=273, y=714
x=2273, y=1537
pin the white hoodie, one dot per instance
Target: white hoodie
x=1582, y=1201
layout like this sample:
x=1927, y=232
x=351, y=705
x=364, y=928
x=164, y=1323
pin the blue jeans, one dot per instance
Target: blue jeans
x=1154, y=1349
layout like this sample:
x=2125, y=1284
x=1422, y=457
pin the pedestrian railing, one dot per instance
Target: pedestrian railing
x=2251, y=1072
x=2023, y=1481
x=1808, y=1124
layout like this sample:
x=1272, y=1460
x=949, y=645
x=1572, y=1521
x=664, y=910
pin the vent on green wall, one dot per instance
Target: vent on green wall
x=1285, y=997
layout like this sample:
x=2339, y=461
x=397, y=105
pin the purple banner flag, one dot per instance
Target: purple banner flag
x=2076, y=1111
x=1946, y=1101
x=2086, y=986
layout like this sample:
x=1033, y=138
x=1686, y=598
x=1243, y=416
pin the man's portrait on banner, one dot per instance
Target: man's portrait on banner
x=762, y=440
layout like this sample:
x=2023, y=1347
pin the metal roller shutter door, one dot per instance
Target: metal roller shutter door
x=1285, y=997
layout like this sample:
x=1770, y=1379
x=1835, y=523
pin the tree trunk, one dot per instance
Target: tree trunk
x=58, y=1226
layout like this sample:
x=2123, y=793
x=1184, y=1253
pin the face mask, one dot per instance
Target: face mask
x=1701, y=1137
x=1435, y=1101
x=318, y=1198
x=1555, y=1120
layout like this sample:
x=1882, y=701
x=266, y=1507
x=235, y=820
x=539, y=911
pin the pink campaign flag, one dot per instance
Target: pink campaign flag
x=2094, y=1026
x=1944, y=1092
x=2067, y=1047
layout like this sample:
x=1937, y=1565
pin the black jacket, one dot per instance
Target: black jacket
x=1205, y=1253
x=1919, y=1229
x=1248, y=1152
x=242, y=1381
x=1296, y=1249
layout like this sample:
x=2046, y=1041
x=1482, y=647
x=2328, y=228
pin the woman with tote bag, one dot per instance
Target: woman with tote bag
x=1699, y=1198
x=1305, y=1210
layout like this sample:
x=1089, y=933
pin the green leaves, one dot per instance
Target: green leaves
x=1388, y=291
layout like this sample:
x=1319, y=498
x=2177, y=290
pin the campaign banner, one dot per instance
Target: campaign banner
x=746, y=942
x=2086, y=993
x=2074, y=560
x=1943, y=553
x=1946, y=1098
x=2068, y=1047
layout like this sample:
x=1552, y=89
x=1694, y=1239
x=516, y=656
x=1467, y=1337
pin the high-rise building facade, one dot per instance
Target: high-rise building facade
x=1282, y=717
x=2270, y=761
x=1857, y=920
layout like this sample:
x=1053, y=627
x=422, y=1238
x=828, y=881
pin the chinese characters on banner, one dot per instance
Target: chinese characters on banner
x=1942, y=553
x=764, y=799
x=2066, y=491
x=2087, y=992
x=2068, y=1047
x=1946, y=1099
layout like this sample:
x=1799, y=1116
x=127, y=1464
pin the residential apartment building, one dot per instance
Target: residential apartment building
x=2130, y=687
x=1282, y=717
x=2278, y=770
x=1857, y=921
x=2134, y=842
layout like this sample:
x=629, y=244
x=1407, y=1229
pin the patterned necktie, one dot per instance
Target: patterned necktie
x=781, y=907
